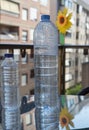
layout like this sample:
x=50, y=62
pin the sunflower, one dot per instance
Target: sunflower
x=66, y=119
x=63, y=22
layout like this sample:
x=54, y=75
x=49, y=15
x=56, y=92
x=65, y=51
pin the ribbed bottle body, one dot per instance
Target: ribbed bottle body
x=46, y=76
x=10, y=99
x=11, y=119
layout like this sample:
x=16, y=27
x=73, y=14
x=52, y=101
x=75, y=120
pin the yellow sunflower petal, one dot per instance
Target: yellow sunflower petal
x=71, y=123
x=71, y=116
x=63, y=31
x=63, y=21
x=69, y=25
x=69, y=16
x=66, y=113
x=65, y=116
x=65, y=11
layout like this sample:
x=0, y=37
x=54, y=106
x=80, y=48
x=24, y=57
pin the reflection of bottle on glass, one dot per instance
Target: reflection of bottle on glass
x=46, y=75
x=10, y=94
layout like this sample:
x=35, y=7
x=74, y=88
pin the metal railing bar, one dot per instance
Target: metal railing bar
x=80, y=46
x=16, y=46
x=30, y=46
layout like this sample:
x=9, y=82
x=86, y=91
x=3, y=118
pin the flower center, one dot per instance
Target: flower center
x=62, y=20
x=64, y=120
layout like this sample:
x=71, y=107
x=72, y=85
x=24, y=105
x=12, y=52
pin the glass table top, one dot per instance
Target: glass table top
x=78, y=106
x=80, y=110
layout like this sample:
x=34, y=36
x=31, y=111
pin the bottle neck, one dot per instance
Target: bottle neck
x=45, y=20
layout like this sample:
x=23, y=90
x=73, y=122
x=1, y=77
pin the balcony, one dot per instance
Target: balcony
x=10, y=8
x=8, y=36
x=8, y=33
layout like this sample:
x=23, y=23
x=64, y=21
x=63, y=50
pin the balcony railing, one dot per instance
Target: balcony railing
x=8, y=37
x=69, y=56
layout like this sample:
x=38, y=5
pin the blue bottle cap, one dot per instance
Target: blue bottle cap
x=45, y=17
x=8, y=55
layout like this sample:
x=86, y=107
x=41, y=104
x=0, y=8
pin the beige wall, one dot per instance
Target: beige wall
x=31, y=124
x=53, y=10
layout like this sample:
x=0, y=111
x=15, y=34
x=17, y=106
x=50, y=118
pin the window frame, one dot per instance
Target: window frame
x=70, y=77
x=30, y=119
x=42, y=2
x=26, y=80
x=24, y=60
x=32, y=73
x=24, y=37
x=31, y=34
x=33, y=14
x=26, y=14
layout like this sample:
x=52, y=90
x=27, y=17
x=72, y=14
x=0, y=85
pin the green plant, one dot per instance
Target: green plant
x=74, y=90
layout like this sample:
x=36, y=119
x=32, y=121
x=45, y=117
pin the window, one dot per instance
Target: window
x=33, y=14
x=31, y=53
x=76, y=74
x=62, y=2
x=77, y=35
x=24, y=14
x=44, y=2
x=32, y=92
x=25, y=59
x=68, y=77
x=31, y=34
x=32, y=73
x=9, y=6
x=70, y=103
x=80, y=9
x=68, y=4
x=68, y=34
x=77, y=23
x=77, y=8
x=68, y=62
x=24, y=79
x=28, y=118
x=16, y=55
x=76, y=61
x=24, y=35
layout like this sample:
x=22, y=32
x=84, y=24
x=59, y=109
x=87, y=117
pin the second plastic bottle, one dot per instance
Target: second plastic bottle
x=10, y=94
x=46, y=75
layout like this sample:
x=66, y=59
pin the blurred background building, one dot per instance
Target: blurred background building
x=18, y=19
x=76, y=35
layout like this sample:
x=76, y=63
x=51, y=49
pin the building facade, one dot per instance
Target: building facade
x=18, y=18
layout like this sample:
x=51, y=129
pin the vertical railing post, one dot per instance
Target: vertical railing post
x=62, y=70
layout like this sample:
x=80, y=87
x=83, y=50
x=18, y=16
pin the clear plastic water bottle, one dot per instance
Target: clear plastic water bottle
x=11, y=119
x=10, y=94
x=46, y=75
